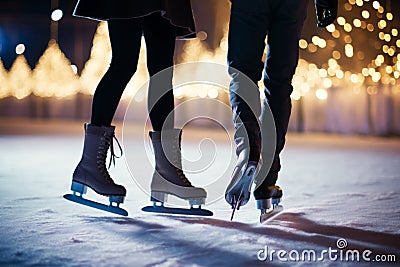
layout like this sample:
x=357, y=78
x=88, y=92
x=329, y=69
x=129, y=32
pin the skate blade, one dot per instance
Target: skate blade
x=167, y=210
x=236, y=205
x=159, y=198
x=266, y=217
x=96, y=205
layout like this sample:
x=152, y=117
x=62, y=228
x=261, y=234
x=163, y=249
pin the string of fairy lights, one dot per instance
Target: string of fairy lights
x=359, y=51
x=364, y=26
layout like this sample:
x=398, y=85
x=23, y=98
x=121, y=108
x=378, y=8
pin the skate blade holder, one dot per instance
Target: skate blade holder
x=79, y=190
x=244, y=185
x=159, y=198
x=266, y=205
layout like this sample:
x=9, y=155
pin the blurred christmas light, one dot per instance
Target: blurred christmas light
x=202, y=92
x=56, y=15
x=303, y=44
x=370, y=27
x=20, y=81
x=4, y=90
x=327, y=82
x=74, y=69
x=202, y=35
x=341, y=21
x=385, y=48
x=336, y=34
x=354, y=78
x=323, y=73
x=331, y=28
x=372, y=90
x=339, y=74
x=295, y=95
x=376, y=77
x=348, y=39
x=365, y=14
x=357, y=23
x=53, y=75
x=347, y=27
x=312, y=48
x=321, y=94
x=20, y=49
x=382, y=24
x=365, y=72
x=336, y=55
x=360, y=55
x=371, y=71
x=359, y=2
x=349, y=50
x=376, y=4
x=332, y=62
x=212, y=93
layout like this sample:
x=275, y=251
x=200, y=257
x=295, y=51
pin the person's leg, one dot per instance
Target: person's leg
x=125, y=37
x=246, y=43
x=160, y=37
x=281, y=62
x=168, y=177
x=91, y=171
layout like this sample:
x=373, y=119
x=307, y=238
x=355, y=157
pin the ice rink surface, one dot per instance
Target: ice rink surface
x=335, y=187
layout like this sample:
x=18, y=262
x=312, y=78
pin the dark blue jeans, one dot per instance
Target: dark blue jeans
x=250, y=23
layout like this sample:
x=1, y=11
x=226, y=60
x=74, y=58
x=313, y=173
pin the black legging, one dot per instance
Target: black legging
x=125, y=37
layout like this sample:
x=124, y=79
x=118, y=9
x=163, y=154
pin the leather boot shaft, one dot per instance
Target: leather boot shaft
x=168, y=177
x=168, y=158
x=92, y=170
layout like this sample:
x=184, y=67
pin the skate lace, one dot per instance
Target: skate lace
x=107, y=142
x=177, y=162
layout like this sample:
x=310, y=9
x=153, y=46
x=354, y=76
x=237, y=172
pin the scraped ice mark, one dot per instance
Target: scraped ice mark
x=301, y=223
x=386, y=196
x=76, y=240
x=47, y=211
x=351, y=194
x=27, y=199
x=19, y=254
x=168, y=262
x=308, y=195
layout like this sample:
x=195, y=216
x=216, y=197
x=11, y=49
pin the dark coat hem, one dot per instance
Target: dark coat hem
x=183, y=32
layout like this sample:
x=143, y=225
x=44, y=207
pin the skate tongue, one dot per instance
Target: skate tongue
x=236, y=205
